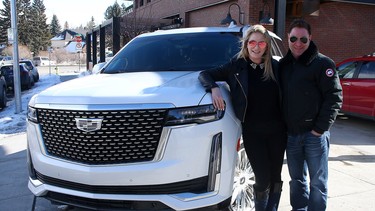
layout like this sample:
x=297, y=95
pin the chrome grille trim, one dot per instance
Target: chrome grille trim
x=126, y=136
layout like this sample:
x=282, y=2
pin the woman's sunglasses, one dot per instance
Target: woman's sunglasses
x=261, y=44
x=304, y=40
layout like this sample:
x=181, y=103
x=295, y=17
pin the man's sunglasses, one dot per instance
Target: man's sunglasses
x=261, y=44
x=304, y=40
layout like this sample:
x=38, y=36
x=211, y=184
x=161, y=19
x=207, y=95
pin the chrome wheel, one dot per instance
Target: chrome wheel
x=244, y=179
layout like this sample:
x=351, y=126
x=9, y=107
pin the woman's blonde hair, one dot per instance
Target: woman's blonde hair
x=267, y=57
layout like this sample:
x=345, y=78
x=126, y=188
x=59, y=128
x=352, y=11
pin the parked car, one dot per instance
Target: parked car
x=357, y=76
x=27, y=79
x=3, y=92
x=5, y=59
x=30, y=66
x=143, y=133
x=43, y=61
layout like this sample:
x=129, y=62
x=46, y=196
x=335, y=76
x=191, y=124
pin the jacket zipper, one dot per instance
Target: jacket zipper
x=244, y=114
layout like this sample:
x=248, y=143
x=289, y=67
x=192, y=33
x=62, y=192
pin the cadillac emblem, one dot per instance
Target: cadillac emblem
x=88, y=125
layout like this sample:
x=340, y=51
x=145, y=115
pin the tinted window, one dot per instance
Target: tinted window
x=7, y=69
x=278, y=50
x=177, y=52
x=28, y=64
x=367, y=70
x=347, y=70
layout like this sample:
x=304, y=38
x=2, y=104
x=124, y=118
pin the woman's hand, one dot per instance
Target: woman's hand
x=217, y=99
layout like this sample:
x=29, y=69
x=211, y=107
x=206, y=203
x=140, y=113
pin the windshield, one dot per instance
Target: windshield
x=177, y=52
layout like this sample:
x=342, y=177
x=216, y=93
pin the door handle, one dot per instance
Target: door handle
x=346, y=83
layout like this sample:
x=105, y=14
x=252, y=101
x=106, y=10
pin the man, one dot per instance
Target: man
x=312, y=97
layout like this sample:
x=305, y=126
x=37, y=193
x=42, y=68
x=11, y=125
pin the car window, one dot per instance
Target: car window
x=347, y=70
x=27, y=64
x=177, y=52
x=367, y=70
x=277, y=50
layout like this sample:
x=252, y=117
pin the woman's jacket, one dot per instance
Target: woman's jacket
x=235, y=74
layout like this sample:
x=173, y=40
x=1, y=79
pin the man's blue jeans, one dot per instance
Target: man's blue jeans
x=306, y=152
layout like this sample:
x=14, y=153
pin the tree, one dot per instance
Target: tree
x=66, y=25
x=55, y=27
x=32, y=28
x=4, y=21
x=91, y=24
x=41, y=35
x=113, y=11
x=24, y=15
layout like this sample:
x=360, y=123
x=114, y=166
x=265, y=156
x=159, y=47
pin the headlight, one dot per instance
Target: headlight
x=198, y=115
x=32, y=114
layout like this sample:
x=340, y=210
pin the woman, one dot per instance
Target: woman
x=255, y=94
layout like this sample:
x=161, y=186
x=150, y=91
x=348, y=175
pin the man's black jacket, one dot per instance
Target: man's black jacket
x=312, y=94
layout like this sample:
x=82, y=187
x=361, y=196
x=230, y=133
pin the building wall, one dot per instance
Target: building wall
x=344, y=30
x=341, y=30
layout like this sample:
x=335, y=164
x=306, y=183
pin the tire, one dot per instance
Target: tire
x=3, y=99
x=32, y=80
x=36, y=77
x=244, y=179
x=28, y=84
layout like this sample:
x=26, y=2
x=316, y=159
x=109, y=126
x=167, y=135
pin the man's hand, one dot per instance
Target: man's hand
x=217, y=99
x=315, y=133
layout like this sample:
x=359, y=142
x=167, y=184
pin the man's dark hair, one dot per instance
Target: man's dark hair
x=300, y=23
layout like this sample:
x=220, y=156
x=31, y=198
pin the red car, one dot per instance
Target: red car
x=357, y=76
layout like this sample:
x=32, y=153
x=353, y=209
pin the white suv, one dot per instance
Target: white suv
x=143, y=134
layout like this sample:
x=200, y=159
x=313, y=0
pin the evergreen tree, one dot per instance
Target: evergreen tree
x=24, y=19
x=55, y=26
x=40, y=34
x=113, y=11
x=4, y=21
x=91, y=24
x=66, y=25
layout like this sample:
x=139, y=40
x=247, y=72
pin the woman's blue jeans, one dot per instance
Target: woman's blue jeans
x=308, y=153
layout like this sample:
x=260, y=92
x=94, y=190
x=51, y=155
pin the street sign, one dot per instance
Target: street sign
x=10, y=35
x=79, y=46
x=78, y=38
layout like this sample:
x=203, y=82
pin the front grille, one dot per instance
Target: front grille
x=126, y=136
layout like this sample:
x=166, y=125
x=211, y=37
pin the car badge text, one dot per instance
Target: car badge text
x=88, y=125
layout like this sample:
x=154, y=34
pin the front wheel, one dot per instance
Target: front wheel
x=244, y=179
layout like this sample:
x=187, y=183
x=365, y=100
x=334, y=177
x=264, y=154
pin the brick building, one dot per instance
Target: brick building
x=341, y=29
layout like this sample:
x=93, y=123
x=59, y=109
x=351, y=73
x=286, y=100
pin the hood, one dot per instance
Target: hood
x=177, y=88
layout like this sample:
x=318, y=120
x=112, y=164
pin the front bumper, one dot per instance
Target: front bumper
x=187, y=176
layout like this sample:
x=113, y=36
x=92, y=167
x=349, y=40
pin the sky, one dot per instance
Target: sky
x=78, y=12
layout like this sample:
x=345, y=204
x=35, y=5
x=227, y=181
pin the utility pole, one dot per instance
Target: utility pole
x=16, y=66
x=279, y=25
